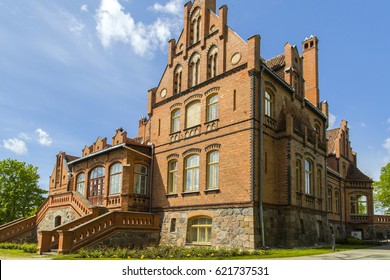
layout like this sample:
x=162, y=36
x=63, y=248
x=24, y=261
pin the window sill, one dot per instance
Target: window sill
x=212, y=190
x=171, y=195
x=208, y=244
x=190, y=193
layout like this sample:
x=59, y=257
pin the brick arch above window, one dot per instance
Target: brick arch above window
x=192, y=97
x=212, y=90
x=176, y=105
x=172, y=156
x=191, y=151
x=200, y=213
x=212, y=147
x=270, y=86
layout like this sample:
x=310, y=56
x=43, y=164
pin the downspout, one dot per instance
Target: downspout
x=151, y=179
x=261, y=210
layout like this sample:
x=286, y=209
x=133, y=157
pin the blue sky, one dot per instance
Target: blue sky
x=71, y=71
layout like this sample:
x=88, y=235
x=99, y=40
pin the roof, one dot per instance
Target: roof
x=332, y=136
x=354, y=174
x=277, y=64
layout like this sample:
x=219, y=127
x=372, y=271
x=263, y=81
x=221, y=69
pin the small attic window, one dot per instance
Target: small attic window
x=311, y=44
x=306, y=45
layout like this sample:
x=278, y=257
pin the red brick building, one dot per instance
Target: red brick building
x=234, y=153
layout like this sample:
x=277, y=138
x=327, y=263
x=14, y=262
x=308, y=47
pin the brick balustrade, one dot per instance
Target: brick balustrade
x=381, y=219
x=13, y=229
x=95, y=229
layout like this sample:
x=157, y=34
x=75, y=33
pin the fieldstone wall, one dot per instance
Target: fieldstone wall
x=295, y=228
x=27, y=237
x=231, y=227
x=130, y=238
x=67, y=215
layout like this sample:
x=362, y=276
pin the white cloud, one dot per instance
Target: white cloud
x=15, y=145
x=114, y=24
x=172, y=7
x=24, y=136
x=43, y=137
x=386, y=145
x=84, y=8
x=332, y=120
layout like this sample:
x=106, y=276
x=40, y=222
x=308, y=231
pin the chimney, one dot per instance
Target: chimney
x=310, y=70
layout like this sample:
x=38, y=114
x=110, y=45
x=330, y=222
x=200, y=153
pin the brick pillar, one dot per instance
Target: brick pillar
x=44, y=240
x=65, y=242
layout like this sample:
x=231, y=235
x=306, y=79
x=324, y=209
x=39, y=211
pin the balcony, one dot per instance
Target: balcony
x=211, y=125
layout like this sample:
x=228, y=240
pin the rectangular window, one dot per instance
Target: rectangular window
x=193, y=114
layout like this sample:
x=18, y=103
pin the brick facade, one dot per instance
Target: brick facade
x=234, y=151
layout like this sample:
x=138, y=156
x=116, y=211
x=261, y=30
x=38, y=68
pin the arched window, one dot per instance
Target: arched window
x=194, y=73
x=57, y=221
x=212, y=108
x=175, y=121
x=195, y=26
x=298, y=175
x=191, y=173
x=212, y=170
x=330, y=200
x=96, y=183
x=317, y=128
x=268, y=104
x=212, y=62
x=116, y=178
x=358, y=205
x=172, y=176
x=200, y=230
x=80, y=183
x=140, y=179
x=193, y=114
x=177, y=80
x=308, y=177
x=337, y=201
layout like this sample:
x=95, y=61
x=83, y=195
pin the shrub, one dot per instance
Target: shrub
x=25, y=247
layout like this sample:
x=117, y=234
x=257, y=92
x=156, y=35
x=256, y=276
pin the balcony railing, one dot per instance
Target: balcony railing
x=192, y=131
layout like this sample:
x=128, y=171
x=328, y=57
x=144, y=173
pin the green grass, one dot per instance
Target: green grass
x=18, y=254
x=198, y=253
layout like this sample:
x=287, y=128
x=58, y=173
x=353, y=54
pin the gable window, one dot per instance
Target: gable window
x=96, y=182
x=212, y=108
x=175, y=121
x=140, y=179
x=177, y=80
x=212, y=170
x=212, y=61
x=172, y=177
x=195, y=27
x=194, y=75
x=191, y=173
x=358, y=204
x=80, y=183
x=308, y=177
x=200, y=230
x=116, y=178
x=268, y=103
x=193, y=114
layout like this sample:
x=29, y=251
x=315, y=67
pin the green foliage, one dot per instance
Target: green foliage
x=25, y=247
x=382, y=189
x=166, y=252
x=20, y=195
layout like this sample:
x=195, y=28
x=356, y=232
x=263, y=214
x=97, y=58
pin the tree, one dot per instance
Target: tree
x=20, y=195
x=382, y=189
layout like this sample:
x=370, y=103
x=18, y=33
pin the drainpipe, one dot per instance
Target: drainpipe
x=261, y=211
x=151, y=179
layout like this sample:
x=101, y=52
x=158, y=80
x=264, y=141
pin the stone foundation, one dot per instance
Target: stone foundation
x=126, y=238
x=295, y=228
x=231, y=227
x=67, y=215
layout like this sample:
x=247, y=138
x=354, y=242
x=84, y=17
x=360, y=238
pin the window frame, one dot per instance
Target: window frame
x=172, y=177
x=115, y=179
x=308, y=177
x=298, y=174
x=212, y=62
x=200, y=228
x=191, y=118
x=175, y=121
x=212, y=171
x=356, y=204
x=80, y=185
x=212, y=107
x=268, y=104
x=141, y=178
x=194, y=172
x=96, y=182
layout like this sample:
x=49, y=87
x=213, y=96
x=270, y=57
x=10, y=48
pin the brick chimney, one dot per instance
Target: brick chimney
x=310, y=70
